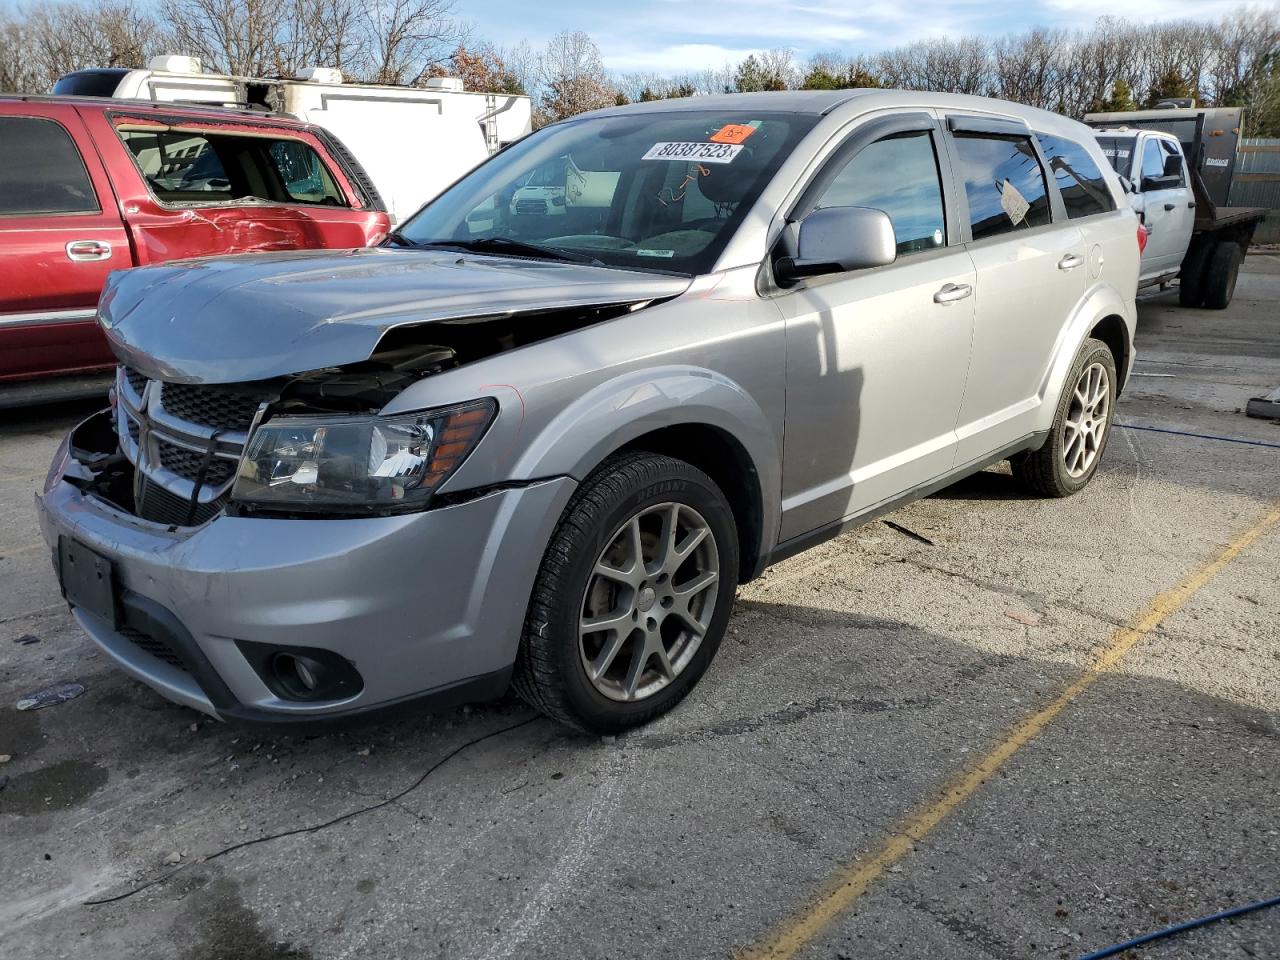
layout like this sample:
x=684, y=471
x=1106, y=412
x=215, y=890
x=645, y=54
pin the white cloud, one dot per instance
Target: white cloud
x=674, y=58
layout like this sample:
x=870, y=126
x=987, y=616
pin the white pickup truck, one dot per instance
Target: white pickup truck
x=1179, y=163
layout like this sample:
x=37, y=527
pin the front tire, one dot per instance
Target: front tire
x=1081, y=427
x=633, y=596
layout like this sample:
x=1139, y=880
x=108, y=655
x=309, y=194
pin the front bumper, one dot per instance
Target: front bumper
x=425, y=605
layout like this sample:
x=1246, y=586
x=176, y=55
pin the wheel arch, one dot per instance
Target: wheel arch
x=691, y=413
x=723, y=458
x=1112, y=331
x=1101, y=311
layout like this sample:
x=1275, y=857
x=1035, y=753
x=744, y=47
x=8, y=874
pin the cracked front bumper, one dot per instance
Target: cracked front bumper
x=425, y=605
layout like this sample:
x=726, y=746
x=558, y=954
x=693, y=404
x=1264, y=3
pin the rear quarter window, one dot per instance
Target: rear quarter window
x=1083, y=188
x=41, y=171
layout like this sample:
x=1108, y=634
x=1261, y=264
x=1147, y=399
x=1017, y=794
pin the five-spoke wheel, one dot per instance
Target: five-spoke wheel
x=649, y=601
x=633, y=595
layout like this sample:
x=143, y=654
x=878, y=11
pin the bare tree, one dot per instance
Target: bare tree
x=230, y=36
x=407, y=37
x=573, y=77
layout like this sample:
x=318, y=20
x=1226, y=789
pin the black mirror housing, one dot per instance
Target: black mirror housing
x=1161, y=183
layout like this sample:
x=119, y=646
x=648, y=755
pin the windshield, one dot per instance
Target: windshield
x=645, y=191
x=1119, y=151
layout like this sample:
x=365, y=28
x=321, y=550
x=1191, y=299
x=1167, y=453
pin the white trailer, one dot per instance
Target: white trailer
x=412, y=141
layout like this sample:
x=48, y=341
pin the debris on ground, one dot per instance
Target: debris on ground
x=27, y=639
x=5, y=757
x=1024, y=618
x=908, y=533
x=50, y=696
x=173, y=859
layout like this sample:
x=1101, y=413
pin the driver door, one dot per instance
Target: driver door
x=1165, y=210
x=877, y=359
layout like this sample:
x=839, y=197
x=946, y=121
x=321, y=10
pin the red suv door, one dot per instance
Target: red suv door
x=194, y=185
x=60, y=235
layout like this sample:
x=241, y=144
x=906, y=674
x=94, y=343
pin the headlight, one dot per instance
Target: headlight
x=328, y=463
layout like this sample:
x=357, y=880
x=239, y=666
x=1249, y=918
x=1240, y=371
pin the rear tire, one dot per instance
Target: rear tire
x=1081, y=427
x=632, y=545
x=1191, y=276
x=1220, y=274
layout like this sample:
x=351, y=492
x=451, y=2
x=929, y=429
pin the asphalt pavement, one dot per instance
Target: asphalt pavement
x=991, y=727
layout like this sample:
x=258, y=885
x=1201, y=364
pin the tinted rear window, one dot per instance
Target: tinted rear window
x=1084, y=191
x=1003, y=182
x=41, y=171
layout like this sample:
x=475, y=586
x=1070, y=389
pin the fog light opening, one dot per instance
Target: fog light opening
x=301, y=677
x=303, y=673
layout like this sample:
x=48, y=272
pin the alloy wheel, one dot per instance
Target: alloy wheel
x=1088, y=417
x=649, y=601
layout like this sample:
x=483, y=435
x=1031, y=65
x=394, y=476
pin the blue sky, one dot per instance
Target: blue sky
x=676, y=36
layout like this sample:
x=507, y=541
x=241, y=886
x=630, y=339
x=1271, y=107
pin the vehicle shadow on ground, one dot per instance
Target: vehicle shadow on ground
x=825, y=751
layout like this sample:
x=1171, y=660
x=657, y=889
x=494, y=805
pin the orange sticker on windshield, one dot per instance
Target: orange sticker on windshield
x=732, y=133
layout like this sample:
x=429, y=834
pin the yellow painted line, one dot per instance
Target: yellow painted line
x=853, y=880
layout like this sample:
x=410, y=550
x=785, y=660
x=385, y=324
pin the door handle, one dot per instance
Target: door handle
x=88, y=250
x=951, y=292
x=1170, y=206
x=1191, y=204
x=1070, y=262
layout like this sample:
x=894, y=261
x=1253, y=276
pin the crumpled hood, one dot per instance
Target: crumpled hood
x=253, y=317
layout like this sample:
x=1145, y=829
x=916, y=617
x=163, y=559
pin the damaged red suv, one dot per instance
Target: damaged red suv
x=88, y=186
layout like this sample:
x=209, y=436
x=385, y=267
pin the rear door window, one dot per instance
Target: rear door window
x=1084, y=191
x=41, y=170
x=898, y=175
x=200, y=167
x=1003, y=182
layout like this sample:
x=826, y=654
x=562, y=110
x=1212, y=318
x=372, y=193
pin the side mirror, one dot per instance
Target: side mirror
x=1161, y=183
x=1127, y=185
x=837, y=239
x=1173, y=166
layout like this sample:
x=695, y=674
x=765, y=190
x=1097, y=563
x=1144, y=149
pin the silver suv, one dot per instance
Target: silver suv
x=542, y=444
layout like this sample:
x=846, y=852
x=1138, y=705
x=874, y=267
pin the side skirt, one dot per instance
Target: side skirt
x=805, y=541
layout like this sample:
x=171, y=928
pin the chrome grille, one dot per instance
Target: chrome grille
x=169, y=432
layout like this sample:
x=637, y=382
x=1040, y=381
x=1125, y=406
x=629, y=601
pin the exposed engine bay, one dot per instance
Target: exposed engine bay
x=169, y=452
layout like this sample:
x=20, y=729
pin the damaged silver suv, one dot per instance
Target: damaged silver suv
x=542, y=434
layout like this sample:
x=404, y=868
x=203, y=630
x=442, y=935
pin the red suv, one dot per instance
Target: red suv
x=88, y=186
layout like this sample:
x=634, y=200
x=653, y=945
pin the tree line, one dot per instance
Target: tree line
x=1114, y=65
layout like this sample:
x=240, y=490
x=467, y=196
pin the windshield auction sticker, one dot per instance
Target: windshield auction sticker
x=704, y=152
x=732, y=133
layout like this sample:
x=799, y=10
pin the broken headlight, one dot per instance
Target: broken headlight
x=331, y=463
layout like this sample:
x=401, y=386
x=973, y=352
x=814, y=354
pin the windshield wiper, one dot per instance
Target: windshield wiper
x=518, y=248
x=400, y=240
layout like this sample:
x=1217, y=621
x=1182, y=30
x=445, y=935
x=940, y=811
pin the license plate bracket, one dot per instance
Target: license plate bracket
x=88, y=580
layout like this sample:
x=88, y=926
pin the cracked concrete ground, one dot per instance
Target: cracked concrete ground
x=855, y=681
